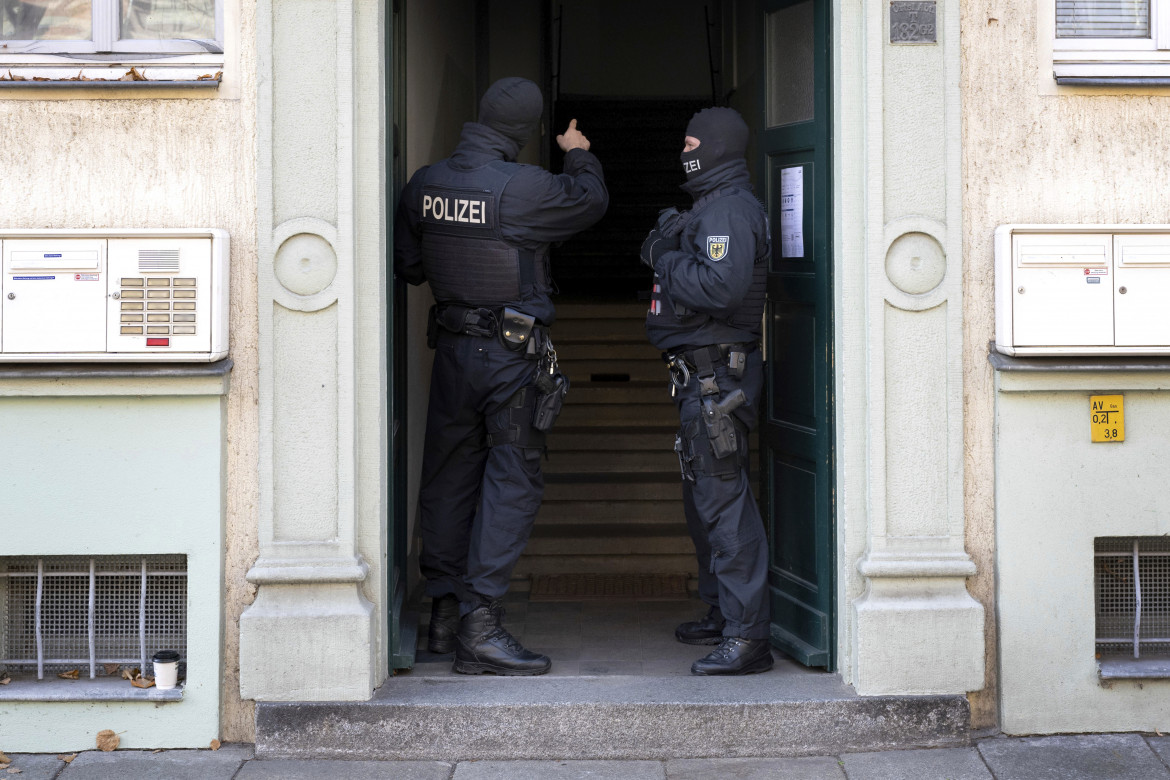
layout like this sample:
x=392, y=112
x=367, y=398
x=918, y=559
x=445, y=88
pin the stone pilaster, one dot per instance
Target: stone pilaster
x=311, y=633
x=915, y=628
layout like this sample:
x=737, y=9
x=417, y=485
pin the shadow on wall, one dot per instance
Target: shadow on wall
x=457, y=103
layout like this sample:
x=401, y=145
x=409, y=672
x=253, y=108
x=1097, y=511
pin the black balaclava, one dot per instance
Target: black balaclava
x=722, y=135
x=512, y=107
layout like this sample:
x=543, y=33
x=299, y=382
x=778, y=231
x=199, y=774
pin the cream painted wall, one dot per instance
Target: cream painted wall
x=1034, y=153
x=133, y=159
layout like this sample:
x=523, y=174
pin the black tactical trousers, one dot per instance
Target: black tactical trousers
x=477, y=503
x=721, y=511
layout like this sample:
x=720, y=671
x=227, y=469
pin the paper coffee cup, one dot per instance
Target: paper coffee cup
x=166, y=669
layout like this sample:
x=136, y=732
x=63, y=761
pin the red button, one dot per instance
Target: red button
x=158, y=342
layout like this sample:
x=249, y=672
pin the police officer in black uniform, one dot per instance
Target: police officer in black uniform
x=705, y=314
x=477, y=226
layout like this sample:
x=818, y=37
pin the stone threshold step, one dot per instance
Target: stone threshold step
x=783, y=713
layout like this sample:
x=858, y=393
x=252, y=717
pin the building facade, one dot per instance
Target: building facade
x=922, y=521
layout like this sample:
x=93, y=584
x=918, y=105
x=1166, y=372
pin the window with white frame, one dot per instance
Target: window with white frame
x=122, y=40
x=1123, y=42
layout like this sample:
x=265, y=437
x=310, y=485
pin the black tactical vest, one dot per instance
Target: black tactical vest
x=465, y=258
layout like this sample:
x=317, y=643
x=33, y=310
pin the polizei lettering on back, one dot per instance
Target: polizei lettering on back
x=449, y=208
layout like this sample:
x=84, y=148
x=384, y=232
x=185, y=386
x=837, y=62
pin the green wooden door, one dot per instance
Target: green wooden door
x=796, y=435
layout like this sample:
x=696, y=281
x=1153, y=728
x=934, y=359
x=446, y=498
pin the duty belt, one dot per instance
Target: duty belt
x=467, y=320
x=701, y=362
x=516, y=330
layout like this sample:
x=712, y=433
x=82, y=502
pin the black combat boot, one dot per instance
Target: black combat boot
x=444, y=624
x=736, y=655
x=708, y=631
x=485, y=646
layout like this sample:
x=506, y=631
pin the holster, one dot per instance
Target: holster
x=720, y=425
x=550, y=399
x=519, y=428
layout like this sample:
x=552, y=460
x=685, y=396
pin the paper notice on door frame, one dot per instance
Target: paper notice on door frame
x=792, y=211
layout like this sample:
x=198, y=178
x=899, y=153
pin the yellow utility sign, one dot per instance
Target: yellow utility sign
x=1108, y=421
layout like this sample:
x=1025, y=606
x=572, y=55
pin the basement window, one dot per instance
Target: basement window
x=1132, y=585
x=98, y=616
x=111, y=41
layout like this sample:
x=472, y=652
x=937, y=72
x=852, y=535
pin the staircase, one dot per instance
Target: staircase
x=612, y=500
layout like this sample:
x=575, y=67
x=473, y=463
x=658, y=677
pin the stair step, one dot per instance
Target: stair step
x=443, y=717
x=644, y=486
x=597, y=393
x=611, y=439
x=584, y=463
x=595, y=331
x=664, y=563
x=614, y=372
x=614, y=539
x=586, y=310
x=629, y=349
x=603, y=414
x=598, y=512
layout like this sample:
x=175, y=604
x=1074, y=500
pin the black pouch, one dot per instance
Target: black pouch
x=550, y=401
x=516, y=329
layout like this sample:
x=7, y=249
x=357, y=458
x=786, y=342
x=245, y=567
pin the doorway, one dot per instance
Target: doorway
x=632, y=73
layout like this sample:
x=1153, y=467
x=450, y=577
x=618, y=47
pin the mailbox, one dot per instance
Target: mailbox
x=1082, y=289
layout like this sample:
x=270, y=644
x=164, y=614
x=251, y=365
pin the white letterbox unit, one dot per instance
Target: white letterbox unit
x=1082, y=289
x=104, y=295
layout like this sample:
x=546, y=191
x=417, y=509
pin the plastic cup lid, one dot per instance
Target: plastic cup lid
x=165, y=657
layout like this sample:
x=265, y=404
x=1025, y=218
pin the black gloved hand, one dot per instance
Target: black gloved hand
x=655, y=246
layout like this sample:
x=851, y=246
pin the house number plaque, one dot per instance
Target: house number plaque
x=913, y=22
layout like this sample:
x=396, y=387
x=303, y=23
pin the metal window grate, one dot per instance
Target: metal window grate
x=63, y=612
x=1132, y=585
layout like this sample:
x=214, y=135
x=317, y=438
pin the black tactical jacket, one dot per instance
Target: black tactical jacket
x=711, y=289
x=535, y=209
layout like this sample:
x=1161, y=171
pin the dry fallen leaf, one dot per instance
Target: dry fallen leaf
x=5, y=679
x=107, y=740
x=130, y=674
x=110, y=668
x=142, y=682
x=215, y=743
x=5, y=759
x=72, y=674
x=12, y=770
x=68, y=759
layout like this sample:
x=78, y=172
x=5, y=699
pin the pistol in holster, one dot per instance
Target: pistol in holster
x=720, y=425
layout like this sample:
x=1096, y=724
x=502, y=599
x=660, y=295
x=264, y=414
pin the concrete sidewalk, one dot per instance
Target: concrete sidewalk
x=1079, y=757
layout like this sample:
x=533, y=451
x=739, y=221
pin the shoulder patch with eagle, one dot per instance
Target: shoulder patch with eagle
x=717, y=247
